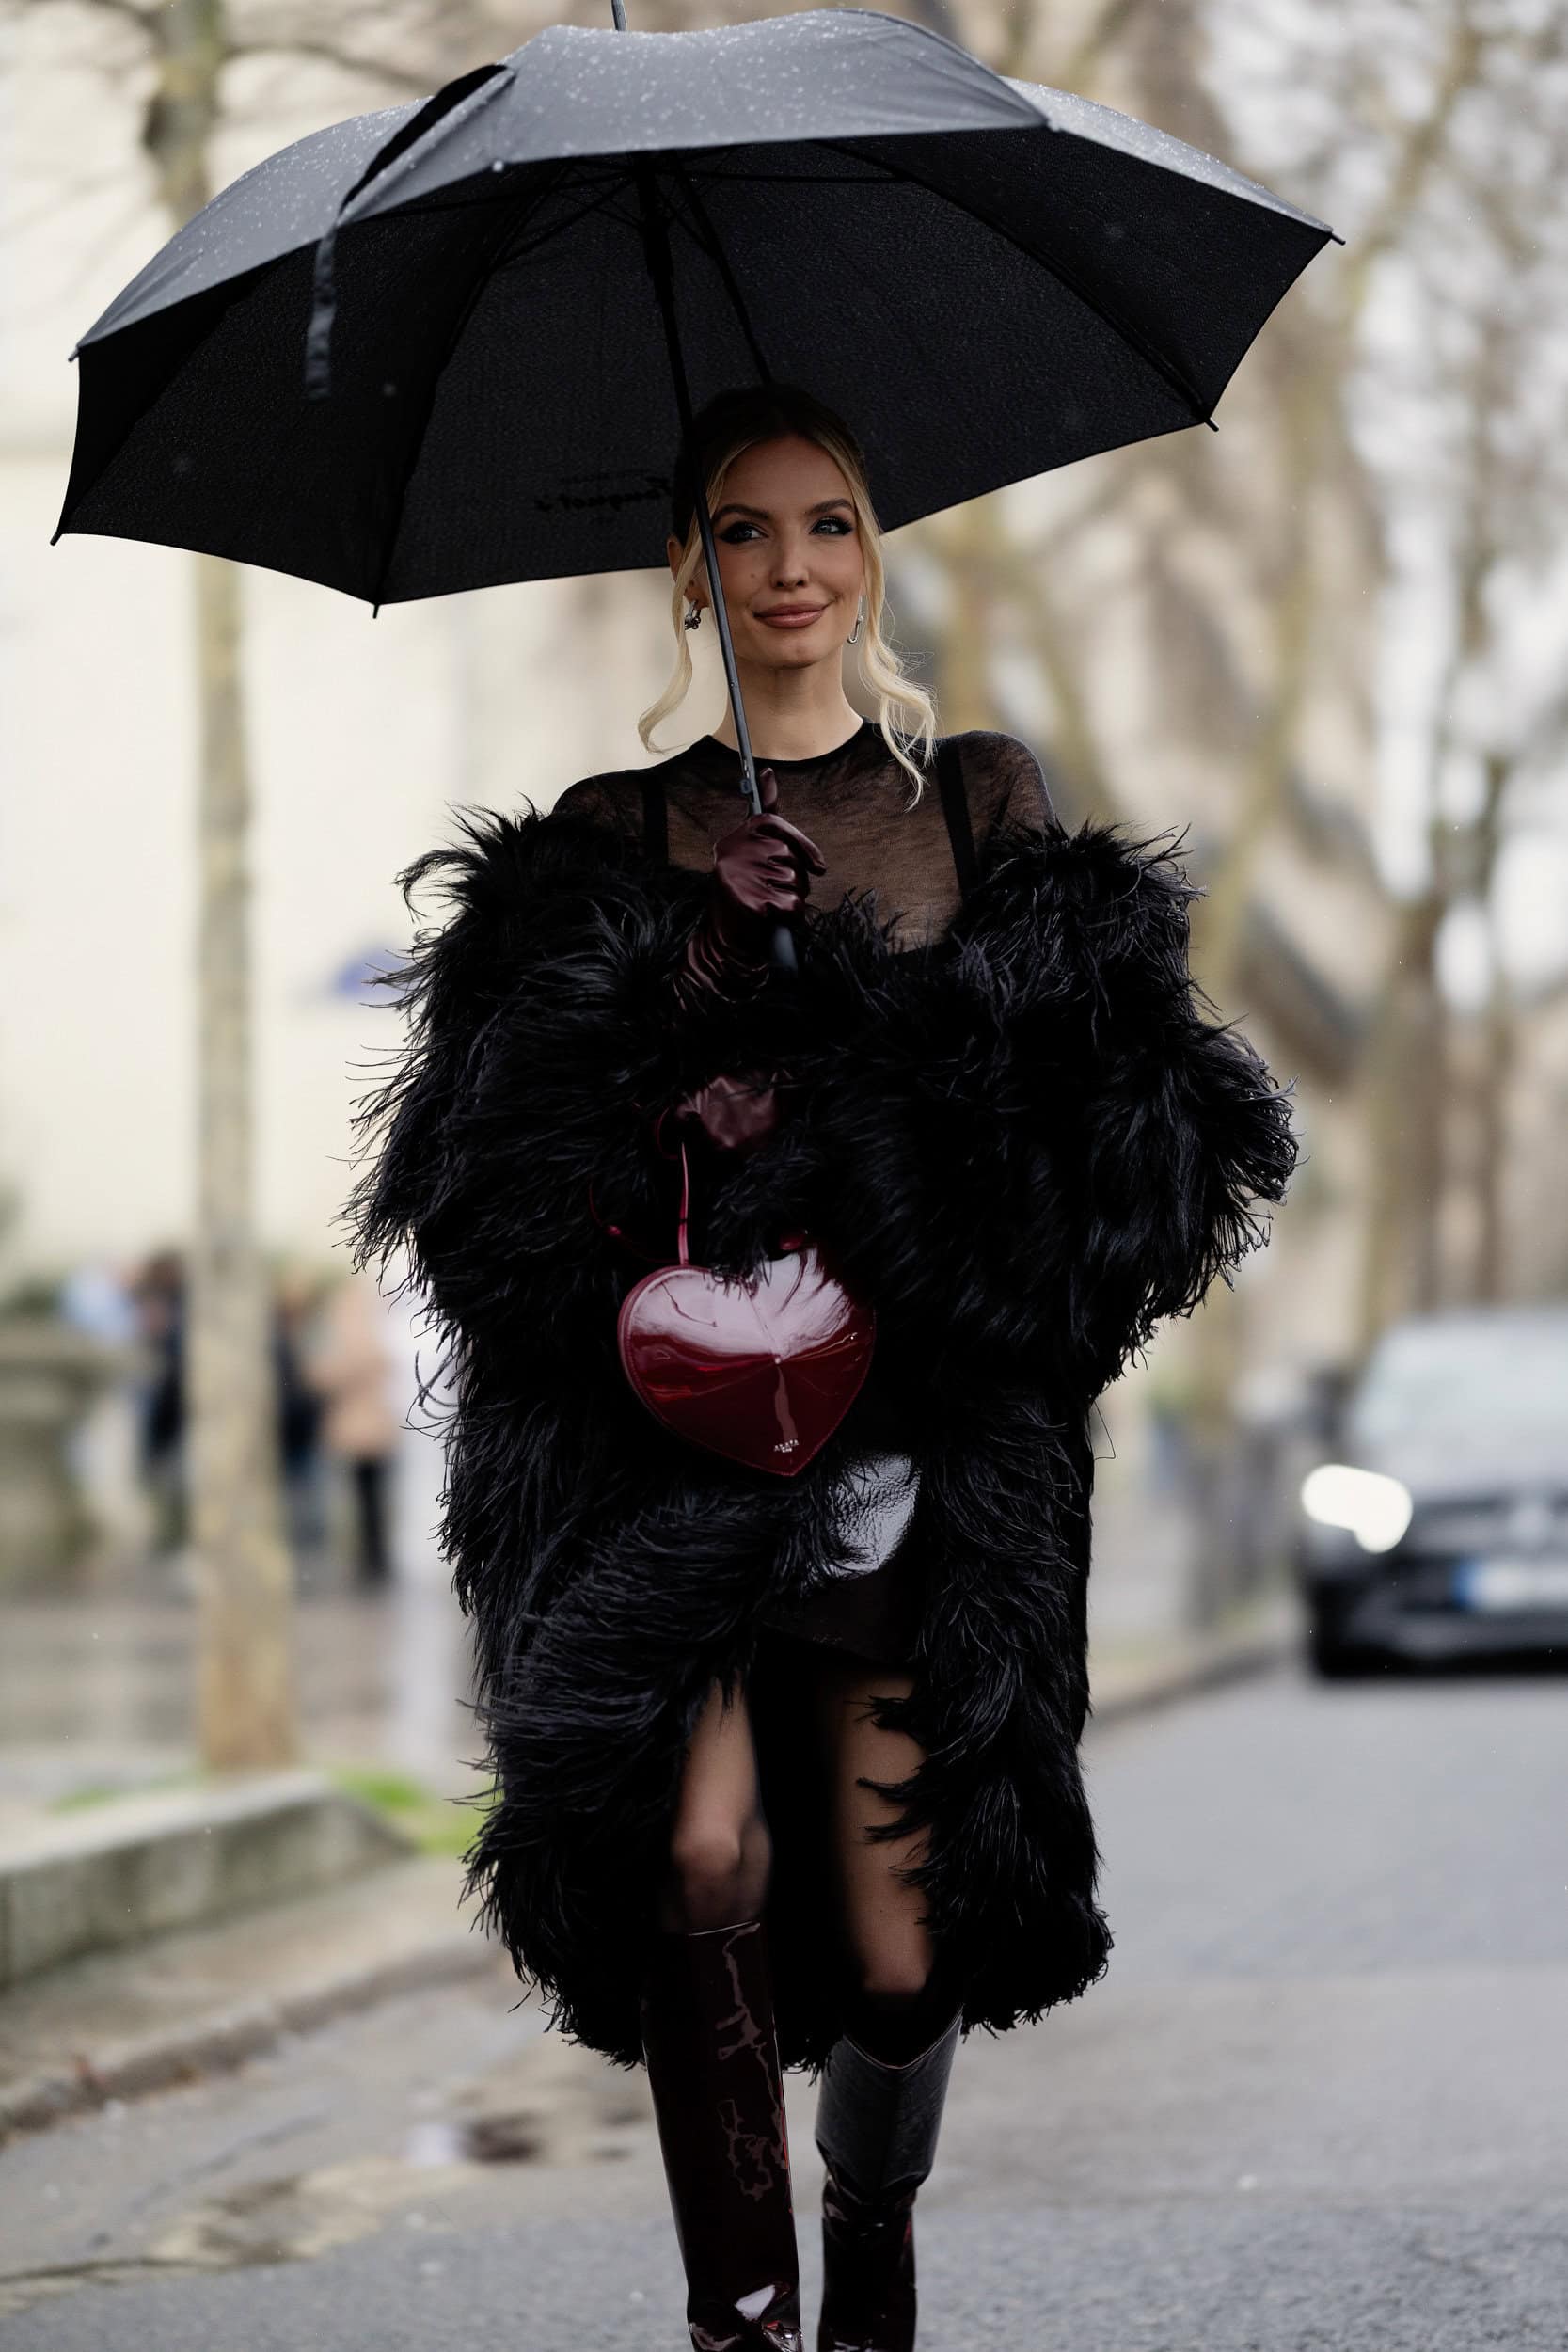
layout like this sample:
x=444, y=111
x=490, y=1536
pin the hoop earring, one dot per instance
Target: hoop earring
x=860, y=623
x=693, y=617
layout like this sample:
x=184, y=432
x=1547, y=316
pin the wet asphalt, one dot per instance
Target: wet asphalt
x=1320, y=2103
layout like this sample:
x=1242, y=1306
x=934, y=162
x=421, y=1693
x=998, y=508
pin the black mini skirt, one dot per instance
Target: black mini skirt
x=873, y=1609
x=874, y=1614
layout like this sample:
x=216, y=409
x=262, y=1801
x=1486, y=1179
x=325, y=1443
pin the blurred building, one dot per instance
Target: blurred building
x=363, y=735
x=1131, y=619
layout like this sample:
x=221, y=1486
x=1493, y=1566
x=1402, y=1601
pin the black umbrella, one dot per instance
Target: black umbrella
x=456, y=343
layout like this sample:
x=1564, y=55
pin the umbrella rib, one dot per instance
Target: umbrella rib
x=522, y=252
x=524, y=205
x=708, y=241
x=463, y=196
x=613, y=185
x=1132, y=336
x=792, y=179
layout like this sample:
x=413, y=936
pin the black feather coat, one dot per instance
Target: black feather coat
x=1025, y=1143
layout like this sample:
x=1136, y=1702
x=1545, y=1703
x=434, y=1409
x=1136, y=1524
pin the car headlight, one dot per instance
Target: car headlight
x=1375, y=1509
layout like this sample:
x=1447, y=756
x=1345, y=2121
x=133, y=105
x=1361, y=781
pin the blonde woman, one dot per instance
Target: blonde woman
x=787, y=1768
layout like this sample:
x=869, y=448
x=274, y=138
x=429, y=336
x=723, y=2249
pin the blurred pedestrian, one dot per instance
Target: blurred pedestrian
x=298, y=1414
x=351, y=1370
x=159, y=1297
x=97, y=1298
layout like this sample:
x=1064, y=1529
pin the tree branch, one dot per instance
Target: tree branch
x=328, y=53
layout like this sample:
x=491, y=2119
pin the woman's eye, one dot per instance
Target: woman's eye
x=835, y=523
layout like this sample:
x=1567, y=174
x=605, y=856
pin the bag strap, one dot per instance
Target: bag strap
x=683, y=1256
x=955, y=808
x=655, y=820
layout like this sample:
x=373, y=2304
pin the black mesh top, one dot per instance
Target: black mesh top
x=855, y=803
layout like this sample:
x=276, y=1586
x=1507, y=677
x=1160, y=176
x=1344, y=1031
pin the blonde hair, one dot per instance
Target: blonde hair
x=737, y=420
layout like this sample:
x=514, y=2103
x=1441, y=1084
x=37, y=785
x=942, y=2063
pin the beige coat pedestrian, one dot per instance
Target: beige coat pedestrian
x=353, y=1370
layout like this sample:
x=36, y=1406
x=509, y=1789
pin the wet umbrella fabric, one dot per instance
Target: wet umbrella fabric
x=986, y=277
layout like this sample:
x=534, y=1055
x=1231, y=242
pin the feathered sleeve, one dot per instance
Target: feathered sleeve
x=1037, y=1138
x=1159, y=1139
x=514, y=1119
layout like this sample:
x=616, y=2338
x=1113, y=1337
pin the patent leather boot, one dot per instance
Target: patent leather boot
x=876, y=2127
x=713, y=2068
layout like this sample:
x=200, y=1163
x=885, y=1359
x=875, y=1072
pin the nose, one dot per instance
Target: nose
x=789, y=564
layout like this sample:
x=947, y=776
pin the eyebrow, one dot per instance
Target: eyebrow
x=734, y=506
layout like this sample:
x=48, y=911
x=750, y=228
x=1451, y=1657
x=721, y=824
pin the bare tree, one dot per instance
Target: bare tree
x=245, y=1705
x=1469, y=391
x=1368, y=117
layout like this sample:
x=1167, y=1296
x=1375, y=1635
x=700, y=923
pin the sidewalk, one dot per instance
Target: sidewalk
x=121, y=2023
x=93, y=1696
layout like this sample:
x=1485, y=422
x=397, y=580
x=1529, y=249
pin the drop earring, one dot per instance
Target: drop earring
x=860, y=621
x=693, y=617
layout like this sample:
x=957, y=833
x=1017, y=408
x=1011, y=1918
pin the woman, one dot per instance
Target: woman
x=351, y=1371
x=787, y=1768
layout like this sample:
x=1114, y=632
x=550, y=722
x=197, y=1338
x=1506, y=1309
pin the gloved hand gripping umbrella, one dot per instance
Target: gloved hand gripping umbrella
x=455, y=343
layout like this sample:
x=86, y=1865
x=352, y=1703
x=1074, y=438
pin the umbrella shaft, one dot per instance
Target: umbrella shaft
x=655, y=240
x=657, y=244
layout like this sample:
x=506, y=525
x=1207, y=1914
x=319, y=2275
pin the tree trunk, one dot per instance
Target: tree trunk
x=245, y=1705
x=963, y=686
x=1407, y=1127
x=1490, y=1275
x=1494, y=1061
x=245, y=1698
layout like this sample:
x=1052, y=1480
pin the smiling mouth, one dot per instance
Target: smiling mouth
x=793, y=612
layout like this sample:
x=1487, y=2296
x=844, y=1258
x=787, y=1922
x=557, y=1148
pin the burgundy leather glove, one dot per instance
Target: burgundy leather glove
x=762, y=871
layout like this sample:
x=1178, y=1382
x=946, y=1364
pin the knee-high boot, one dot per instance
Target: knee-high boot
x=876, y=2127
x=713, y=2068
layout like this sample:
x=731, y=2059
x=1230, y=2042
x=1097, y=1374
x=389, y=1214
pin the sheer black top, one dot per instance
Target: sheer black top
x=855, y=802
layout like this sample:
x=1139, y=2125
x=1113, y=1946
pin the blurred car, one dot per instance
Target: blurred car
x=1438, y=1530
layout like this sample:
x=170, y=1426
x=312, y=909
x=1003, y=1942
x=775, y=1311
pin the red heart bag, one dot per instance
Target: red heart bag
x=762, y=1369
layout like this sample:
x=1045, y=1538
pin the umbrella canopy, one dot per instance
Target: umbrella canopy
x=986, y=277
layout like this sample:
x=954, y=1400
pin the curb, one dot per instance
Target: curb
x=1207, y=1666
x=223, y=2039
x=156, y=1862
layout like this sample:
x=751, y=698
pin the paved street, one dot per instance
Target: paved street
x=1320, y=2101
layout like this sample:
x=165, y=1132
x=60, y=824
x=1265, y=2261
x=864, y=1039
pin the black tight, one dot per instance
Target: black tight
x=719, y=1853
x=896, y=2027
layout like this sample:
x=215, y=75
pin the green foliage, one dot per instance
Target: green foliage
x=105, y=1791
x=437, y=1824
x=33, y=1297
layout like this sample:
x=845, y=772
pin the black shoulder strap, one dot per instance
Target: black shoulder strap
x=954, y=807
x=655, y=820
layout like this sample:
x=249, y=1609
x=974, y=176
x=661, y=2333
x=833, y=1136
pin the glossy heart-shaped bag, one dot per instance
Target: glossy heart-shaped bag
x=761, y=1369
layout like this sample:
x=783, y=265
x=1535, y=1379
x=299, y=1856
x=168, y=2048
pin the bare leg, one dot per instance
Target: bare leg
x=711, y=2048
x=719, y=1852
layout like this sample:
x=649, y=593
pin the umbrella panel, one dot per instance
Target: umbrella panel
x=553, y=430
x=502, y=408
x=228, y=457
